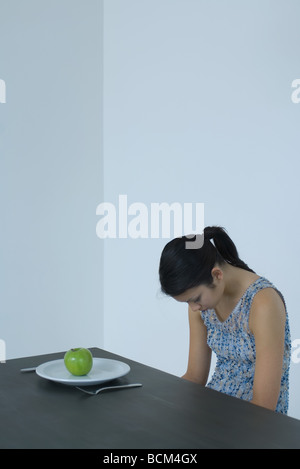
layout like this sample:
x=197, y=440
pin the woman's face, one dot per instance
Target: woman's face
x=203, y=297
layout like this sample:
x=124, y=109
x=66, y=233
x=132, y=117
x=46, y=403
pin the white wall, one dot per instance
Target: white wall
x=197, y=108
x=50, y=175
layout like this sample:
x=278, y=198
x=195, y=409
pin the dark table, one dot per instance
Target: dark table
x=166, y=413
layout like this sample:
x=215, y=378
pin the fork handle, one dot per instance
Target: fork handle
x=134, y=385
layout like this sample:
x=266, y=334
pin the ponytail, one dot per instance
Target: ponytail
x=225, y=246
x=181, y=268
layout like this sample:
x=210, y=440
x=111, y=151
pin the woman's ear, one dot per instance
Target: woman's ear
x=217, y=273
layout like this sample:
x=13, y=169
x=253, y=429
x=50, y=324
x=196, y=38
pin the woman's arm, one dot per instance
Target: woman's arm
x=267, y=323
x=199, y=352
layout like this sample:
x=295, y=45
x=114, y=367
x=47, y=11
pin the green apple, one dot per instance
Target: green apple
x=78, y=361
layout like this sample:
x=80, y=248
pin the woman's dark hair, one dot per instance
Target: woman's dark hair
x=182, y=268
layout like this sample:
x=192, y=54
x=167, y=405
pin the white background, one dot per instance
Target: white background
x=50, y=176
x=195, y=106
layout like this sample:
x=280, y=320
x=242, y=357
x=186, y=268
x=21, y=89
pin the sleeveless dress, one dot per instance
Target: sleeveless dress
x=234, y=346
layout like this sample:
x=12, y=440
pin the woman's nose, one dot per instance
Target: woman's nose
x=195, y=306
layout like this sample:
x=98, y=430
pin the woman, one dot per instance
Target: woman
x=234, y=312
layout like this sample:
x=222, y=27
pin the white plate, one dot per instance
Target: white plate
x=103, y=370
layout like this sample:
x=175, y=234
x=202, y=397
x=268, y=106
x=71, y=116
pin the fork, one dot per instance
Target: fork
x=93, y=393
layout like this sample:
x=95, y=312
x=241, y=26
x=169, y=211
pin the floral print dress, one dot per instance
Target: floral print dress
x=234, y=346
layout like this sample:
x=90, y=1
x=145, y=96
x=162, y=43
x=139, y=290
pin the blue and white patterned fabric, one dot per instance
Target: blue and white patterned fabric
x=234, y=346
